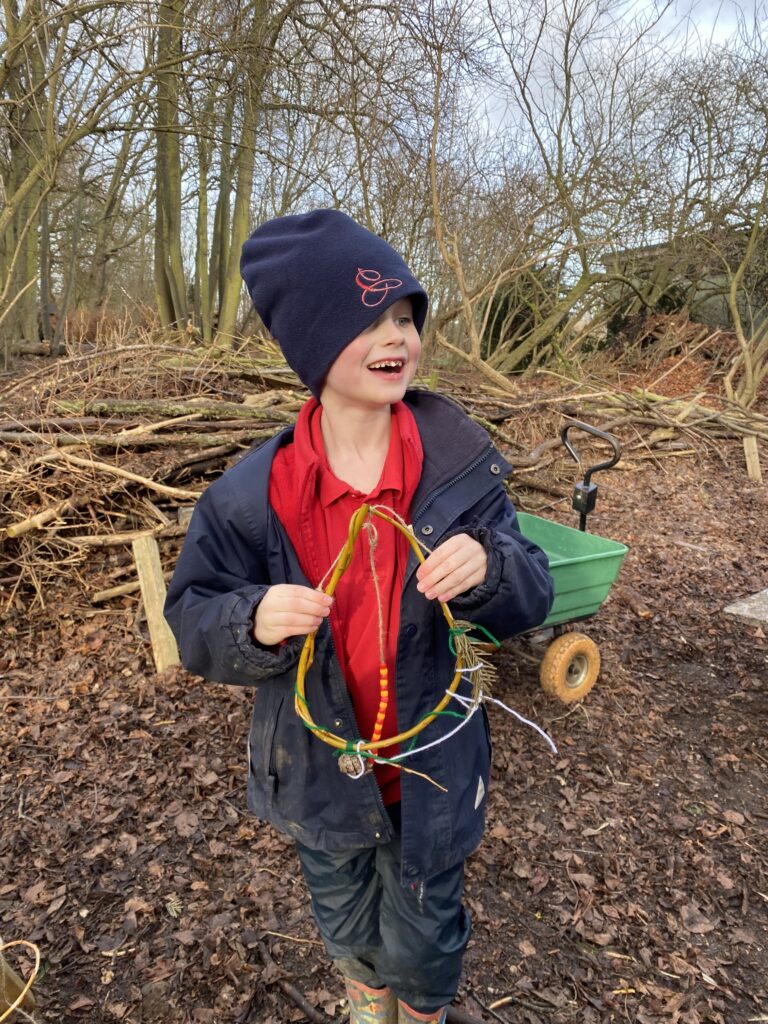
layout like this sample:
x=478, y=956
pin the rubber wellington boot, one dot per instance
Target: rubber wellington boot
x=370, y=1005
x=405, y=1015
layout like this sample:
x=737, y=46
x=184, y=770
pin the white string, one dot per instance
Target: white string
x=518, y=716
x=434, y=743
x=470, y=705
x=473, y=668
x=466, y=701
x=361, y=773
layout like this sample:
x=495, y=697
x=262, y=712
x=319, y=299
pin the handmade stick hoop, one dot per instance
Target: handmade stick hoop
x=308, y=650
x=30, y=980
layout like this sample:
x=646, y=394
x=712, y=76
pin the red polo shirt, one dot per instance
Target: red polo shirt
x=315, y=507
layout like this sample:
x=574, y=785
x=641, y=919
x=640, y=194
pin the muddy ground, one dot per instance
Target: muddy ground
x=624, y=879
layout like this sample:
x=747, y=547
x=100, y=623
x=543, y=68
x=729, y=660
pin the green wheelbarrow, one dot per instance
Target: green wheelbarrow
x=584, y=567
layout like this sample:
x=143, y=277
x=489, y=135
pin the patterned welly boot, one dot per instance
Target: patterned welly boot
x=405, y=1015
x=370, y=1005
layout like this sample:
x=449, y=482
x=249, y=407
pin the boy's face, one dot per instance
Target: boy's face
x=379, y=364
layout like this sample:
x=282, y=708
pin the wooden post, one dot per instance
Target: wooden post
x=752, y=455
x=146, y=554
x=11, y=987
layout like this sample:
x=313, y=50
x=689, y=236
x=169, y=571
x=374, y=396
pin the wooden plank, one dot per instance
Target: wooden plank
x=753, y=610
x=754, y=472
x=146, y=555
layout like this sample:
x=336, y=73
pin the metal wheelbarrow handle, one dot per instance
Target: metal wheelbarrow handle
x=585, y=493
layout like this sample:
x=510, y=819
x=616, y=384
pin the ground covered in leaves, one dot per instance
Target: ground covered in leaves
x=624, y=879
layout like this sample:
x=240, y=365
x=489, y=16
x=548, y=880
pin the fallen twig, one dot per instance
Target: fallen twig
x=506, y=1000
x=113, y=540
x=173, y=409
x=290, y=990
x=105, y=467
x=121, y=590
x=118, y=441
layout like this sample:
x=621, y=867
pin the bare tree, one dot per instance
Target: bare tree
x=65, y=76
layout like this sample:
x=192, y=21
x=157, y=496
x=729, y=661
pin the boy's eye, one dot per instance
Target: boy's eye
x=403, y=320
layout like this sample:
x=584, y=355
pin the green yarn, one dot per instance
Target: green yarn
x=469, y=627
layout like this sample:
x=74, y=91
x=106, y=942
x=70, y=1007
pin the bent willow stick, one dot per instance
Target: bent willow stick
x=308, y=650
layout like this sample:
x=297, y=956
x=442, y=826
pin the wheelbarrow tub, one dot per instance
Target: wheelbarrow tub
x=583, y=566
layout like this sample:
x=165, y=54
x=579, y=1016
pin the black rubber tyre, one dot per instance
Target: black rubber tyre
x=570, y=667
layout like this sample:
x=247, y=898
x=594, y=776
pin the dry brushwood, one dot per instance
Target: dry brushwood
x=210, y=410
x=159, y=420
x=76, y=472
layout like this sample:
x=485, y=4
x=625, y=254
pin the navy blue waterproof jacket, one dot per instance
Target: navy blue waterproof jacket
x=236, y=548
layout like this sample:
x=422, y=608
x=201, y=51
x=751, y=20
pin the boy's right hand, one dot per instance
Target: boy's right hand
x=288, y=610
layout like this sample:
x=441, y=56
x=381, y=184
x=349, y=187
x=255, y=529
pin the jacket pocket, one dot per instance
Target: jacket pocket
x=270, y=748
x=263, y=759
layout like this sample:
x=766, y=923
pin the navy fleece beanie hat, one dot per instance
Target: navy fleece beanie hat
x=318, y=280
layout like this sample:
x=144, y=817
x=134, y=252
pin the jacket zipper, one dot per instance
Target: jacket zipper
x=465, y=473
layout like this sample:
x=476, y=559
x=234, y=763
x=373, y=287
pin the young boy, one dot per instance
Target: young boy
x=383, y=853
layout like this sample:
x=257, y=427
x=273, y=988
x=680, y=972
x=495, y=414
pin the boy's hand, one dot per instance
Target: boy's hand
x=288, y=610
x=456, y=566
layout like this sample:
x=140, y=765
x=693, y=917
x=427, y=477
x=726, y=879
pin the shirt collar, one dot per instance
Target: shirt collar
x=331, y=489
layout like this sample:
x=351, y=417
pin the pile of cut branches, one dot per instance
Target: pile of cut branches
x=112, y=444
x=118, y=442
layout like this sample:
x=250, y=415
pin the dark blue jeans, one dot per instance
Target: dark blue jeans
x=379, y=932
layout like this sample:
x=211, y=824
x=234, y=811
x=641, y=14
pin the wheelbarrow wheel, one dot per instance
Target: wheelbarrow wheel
x=570, y=667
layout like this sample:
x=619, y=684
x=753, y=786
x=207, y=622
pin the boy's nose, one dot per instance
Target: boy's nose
x=394, y=333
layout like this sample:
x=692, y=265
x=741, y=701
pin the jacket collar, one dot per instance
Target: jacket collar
x=451, y=444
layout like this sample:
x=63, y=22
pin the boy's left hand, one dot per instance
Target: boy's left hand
x=454, y=567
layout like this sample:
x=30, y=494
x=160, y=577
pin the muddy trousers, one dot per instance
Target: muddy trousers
x=381, y=933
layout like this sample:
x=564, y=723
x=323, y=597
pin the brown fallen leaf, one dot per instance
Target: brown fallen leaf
x=81, y=1003
x=695, y=921
x=138, y=905
x=185, y=823
x=584, y=880
x=744, y=935
x=634, y=601
x=734, y=817
x=539, y=881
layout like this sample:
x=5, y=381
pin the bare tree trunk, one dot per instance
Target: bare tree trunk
x=169, y=268
x=22, y=79
x=202, y=289
x=261, y=39
x=57, y=346
x=45, y=273
x=220, y=240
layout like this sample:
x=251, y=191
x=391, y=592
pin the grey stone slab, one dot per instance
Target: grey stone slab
x=752, y=610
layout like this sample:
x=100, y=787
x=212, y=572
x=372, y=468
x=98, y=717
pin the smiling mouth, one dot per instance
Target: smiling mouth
x=391, y=366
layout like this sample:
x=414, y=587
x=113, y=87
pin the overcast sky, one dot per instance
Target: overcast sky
x=715, y=19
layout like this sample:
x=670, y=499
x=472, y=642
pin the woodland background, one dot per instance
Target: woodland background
x=582, y=186
x=547, y=169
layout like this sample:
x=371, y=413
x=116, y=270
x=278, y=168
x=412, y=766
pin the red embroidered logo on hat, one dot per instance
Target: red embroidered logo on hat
x=375, y=287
